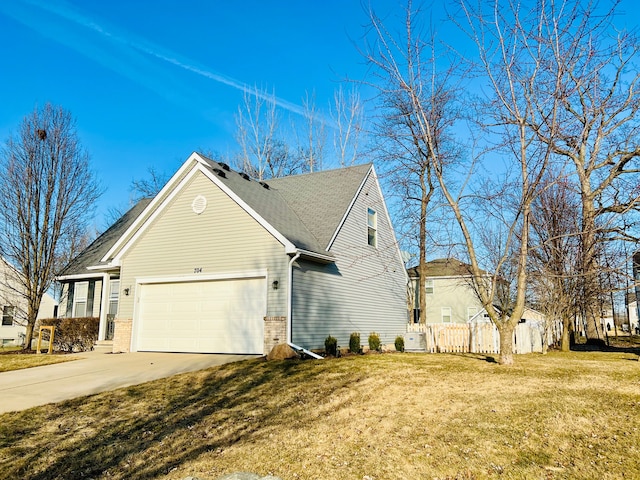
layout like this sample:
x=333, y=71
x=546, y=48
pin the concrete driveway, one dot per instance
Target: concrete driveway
x=95, y=372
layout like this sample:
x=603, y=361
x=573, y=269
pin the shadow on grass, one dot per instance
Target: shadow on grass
x=126, y=432
x=626, y=345
x=476, y=356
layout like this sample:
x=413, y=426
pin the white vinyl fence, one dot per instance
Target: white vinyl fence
x=480, y=337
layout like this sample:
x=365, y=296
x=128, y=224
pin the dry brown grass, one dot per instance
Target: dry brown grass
x=17, y=361
x=395, y=416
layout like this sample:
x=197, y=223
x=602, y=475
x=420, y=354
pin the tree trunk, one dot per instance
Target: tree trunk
x=29, y=336
x=590, y=285
x=565, y=346
x=422, y=265
x=506, y=343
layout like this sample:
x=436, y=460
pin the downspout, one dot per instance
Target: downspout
x=290, y=298
x=290, y=310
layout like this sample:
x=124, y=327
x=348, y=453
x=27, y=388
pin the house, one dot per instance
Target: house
x=14, y=306
x=217, y=262
x=450, y=298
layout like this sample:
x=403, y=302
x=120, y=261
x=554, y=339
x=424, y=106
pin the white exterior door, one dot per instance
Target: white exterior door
x=217, y=316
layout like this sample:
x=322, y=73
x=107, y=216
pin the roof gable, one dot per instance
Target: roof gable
x=302, y=211
x=445, y=267
x=269, y=204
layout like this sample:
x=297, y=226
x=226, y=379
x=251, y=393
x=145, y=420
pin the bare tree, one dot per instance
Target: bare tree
x=414, y=126
x=508, y=60
x=347, y=114
x=264, y=154
x=555, y=252
x=591, y=69
x=46, y=199
x=149, y=186
x=311, y=144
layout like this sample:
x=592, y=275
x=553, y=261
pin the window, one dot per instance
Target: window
x=471, y=312
x=8, y=312
x=428, y=286
x=372, y=227
x=114, y=294
x=446, y=314
x=80, y=299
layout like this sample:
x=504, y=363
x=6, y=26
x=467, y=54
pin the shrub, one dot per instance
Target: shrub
x=331, y=346
x=73, y=334
x=374, y=342
x=399, y=343
x=354, y=343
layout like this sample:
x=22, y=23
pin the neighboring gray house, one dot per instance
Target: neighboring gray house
x=217, y=262
x=450, y=298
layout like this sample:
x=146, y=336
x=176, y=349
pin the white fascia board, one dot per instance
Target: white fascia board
x=245, y=274
x=454, y=277
x=108, y=266
x=201, y=167
x=194, y=157
x=78, y=276
x=386, y=213
x=346, y=213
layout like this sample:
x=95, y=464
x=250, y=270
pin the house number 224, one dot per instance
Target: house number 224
x=197, y=270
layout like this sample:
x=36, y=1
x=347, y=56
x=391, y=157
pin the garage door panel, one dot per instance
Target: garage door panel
x=221, y=316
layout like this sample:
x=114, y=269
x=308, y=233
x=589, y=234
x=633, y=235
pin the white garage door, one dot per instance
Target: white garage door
x=218, y=316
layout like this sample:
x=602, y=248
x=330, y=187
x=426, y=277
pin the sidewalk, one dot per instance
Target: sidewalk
x=95, y=372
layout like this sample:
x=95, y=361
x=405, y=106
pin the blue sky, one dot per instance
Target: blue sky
x=150, y=82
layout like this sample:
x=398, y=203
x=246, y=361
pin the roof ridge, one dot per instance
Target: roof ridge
x=321, y=172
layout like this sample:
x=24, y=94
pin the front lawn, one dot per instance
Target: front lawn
x=16, y=359
x=394, y=416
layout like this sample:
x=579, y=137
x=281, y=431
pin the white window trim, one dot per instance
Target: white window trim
x=5, y=314
x=442, y=312
x=475, y=312
x=429, y=283
x=77, y=300
x=373, y=227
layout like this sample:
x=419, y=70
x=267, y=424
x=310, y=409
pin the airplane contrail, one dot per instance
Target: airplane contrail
x=160, y=53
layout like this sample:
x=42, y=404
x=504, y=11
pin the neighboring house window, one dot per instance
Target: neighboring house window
x=8, y=312
x=428, y=286
x=446, y=314
x=471, y=312
x=372, y=227
x=80, y=299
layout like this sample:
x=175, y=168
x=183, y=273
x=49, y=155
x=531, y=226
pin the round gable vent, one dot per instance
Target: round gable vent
x=199, y=204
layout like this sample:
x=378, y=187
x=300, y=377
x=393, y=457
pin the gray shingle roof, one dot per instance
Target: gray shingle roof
x=306, y=209
x=321, y=199
x=444, y=267
x=93, y=253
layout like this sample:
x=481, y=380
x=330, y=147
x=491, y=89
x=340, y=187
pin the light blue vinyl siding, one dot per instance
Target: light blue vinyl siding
x=364, y=291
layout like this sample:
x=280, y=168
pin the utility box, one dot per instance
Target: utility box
x=415, y=342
